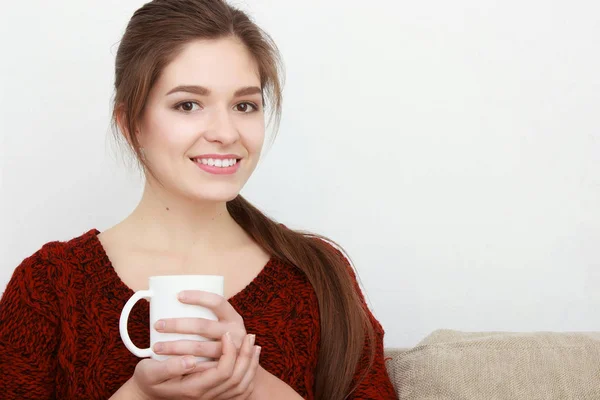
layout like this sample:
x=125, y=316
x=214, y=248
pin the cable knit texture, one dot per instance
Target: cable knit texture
x=59, y=327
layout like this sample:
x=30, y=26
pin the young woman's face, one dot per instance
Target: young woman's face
x=203, y=127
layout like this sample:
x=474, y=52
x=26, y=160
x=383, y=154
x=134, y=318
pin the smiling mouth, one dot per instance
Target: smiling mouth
x=216, y=162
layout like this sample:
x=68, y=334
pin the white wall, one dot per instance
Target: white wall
x=453, y=148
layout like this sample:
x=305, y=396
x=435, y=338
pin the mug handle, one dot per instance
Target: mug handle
x=142, y=353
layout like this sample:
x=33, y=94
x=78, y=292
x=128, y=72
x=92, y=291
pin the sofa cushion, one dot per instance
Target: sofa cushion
x=495, y=365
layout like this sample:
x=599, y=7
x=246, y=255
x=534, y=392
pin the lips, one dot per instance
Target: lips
x=218, y=164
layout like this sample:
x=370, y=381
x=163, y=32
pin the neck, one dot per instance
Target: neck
x=177, y=224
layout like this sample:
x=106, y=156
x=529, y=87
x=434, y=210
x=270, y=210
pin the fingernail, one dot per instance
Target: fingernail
x=252, y=339
x=158, y=347
x=257, y=350
x=160, y=325
x=189, y=362
x=181, y=296
x=228, y=337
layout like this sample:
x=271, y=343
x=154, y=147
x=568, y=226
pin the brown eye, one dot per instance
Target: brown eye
x=187, y=106
x=245, y=107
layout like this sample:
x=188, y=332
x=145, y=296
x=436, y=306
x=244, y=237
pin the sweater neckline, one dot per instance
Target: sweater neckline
x=262, y=286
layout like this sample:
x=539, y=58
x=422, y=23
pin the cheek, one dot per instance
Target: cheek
x=168, y=132
x=254, y=136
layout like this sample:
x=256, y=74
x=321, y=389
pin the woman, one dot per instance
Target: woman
x=193, y=80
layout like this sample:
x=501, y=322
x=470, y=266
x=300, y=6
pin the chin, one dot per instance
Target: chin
x=216, y=196
x=205, y=191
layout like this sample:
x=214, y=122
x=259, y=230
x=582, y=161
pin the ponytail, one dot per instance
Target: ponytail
x=345, y=323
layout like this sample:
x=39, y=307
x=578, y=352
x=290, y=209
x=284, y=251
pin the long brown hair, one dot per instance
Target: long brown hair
x=155, y=35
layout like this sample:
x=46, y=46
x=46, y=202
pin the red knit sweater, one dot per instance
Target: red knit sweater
x=59, y=327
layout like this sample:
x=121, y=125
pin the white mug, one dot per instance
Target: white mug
x=163, y=292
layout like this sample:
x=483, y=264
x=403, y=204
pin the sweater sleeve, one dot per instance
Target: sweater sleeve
x=28, y=333
x=376, y=384
x=370, y=383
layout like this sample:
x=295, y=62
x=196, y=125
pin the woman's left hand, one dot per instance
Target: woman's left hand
x=229, y=321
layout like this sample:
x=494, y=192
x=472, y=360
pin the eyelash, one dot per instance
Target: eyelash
x=178, y=105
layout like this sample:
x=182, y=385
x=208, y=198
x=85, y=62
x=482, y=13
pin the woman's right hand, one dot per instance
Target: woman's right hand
x=183, y=378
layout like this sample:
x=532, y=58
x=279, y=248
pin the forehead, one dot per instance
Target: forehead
x=218, y=64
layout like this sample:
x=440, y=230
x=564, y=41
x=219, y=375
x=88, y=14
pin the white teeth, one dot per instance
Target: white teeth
x=218, y=162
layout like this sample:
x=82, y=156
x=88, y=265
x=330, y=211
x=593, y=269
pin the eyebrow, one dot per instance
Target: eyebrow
x=203, y=91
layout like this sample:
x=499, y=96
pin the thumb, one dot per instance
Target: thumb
x=153, y=372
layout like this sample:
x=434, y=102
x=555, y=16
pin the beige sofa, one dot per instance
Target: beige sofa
x=498, y=365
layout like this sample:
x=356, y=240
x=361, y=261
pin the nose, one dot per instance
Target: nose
x=223, y=128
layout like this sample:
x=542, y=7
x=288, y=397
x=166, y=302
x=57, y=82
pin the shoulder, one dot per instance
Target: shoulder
x=56, y=253
x=328, y=251
x=46, y=266
x=337, y=253
x=340, y=254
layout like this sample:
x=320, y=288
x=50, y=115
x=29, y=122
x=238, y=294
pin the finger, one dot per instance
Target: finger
x=210, y=349
x=195, y=326
x=204, y=366
x=228, y=359
x=153, y=372
x=252, y=371
x=242, y=363
x=214, y=377
x=193, y=384
x=226, y=363
x=245, y=387
x=189, y=380
x=218, y=304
